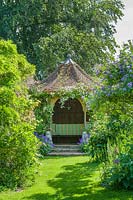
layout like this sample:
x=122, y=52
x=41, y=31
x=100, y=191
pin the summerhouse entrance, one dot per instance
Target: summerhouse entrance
x=67, y=121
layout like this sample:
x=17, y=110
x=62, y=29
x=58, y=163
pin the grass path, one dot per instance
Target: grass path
x=67, y=178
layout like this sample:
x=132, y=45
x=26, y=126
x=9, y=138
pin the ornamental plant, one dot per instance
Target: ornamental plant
x=43, y=112
x=107, y=129
x=17, y=122
x=83, y=143
x=45, y=145
x=119, y=172
x=113, y=101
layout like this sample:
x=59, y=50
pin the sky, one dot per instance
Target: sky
x=125, y=26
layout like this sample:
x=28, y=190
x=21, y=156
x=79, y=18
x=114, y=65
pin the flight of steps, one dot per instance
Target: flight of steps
x=66, y=150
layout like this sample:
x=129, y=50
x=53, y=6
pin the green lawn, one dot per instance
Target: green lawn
x=67, y=178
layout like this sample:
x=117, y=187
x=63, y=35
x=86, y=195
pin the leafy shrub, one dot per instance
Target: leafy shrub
x=17, y=143
x=113, y=102
x=108, y=130
x=98, y=147
x=84, y=147
x=43, y=112
x=119, y=172
x=44, y=149
x=45, y=145
x=100, y=135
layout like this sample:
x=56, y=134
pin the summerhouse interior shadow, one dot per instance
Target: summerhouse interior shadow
x=67, y=118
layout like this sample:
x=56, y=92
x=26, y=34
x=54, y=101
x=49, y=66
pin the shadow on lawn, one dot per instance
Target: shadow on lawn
x=76, y=183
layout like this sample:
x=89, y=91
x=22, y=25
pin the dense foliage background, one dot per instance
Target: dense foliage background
x=111, y=127
x=17, y=122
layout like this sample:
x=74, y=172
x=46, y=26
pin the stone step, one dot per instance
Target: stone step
x=66, y=154
x=67, y=146
x=65, y=150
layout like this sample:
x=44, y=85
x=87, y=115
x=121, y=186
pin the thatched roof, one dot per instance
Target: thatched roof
x=68, y=75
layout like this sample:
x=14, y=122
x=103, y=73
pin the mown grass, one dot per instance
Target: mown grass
x=67, y=178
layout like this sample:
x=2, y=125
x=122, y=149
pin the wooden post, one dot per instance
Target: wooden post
x=52, y=103
x=84, y=110
x=85, y=118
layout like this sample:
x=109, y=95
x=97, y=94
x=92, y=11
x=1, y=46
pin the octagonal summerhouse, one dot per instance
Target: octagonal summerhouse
x=69, y=121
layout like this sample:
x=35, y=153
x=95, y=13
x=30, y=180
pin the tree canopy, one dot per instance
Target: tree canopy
x=46, y=30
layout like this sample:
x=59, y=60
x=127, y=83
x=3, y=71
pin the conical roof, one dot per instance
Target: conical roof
x=68, y=75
